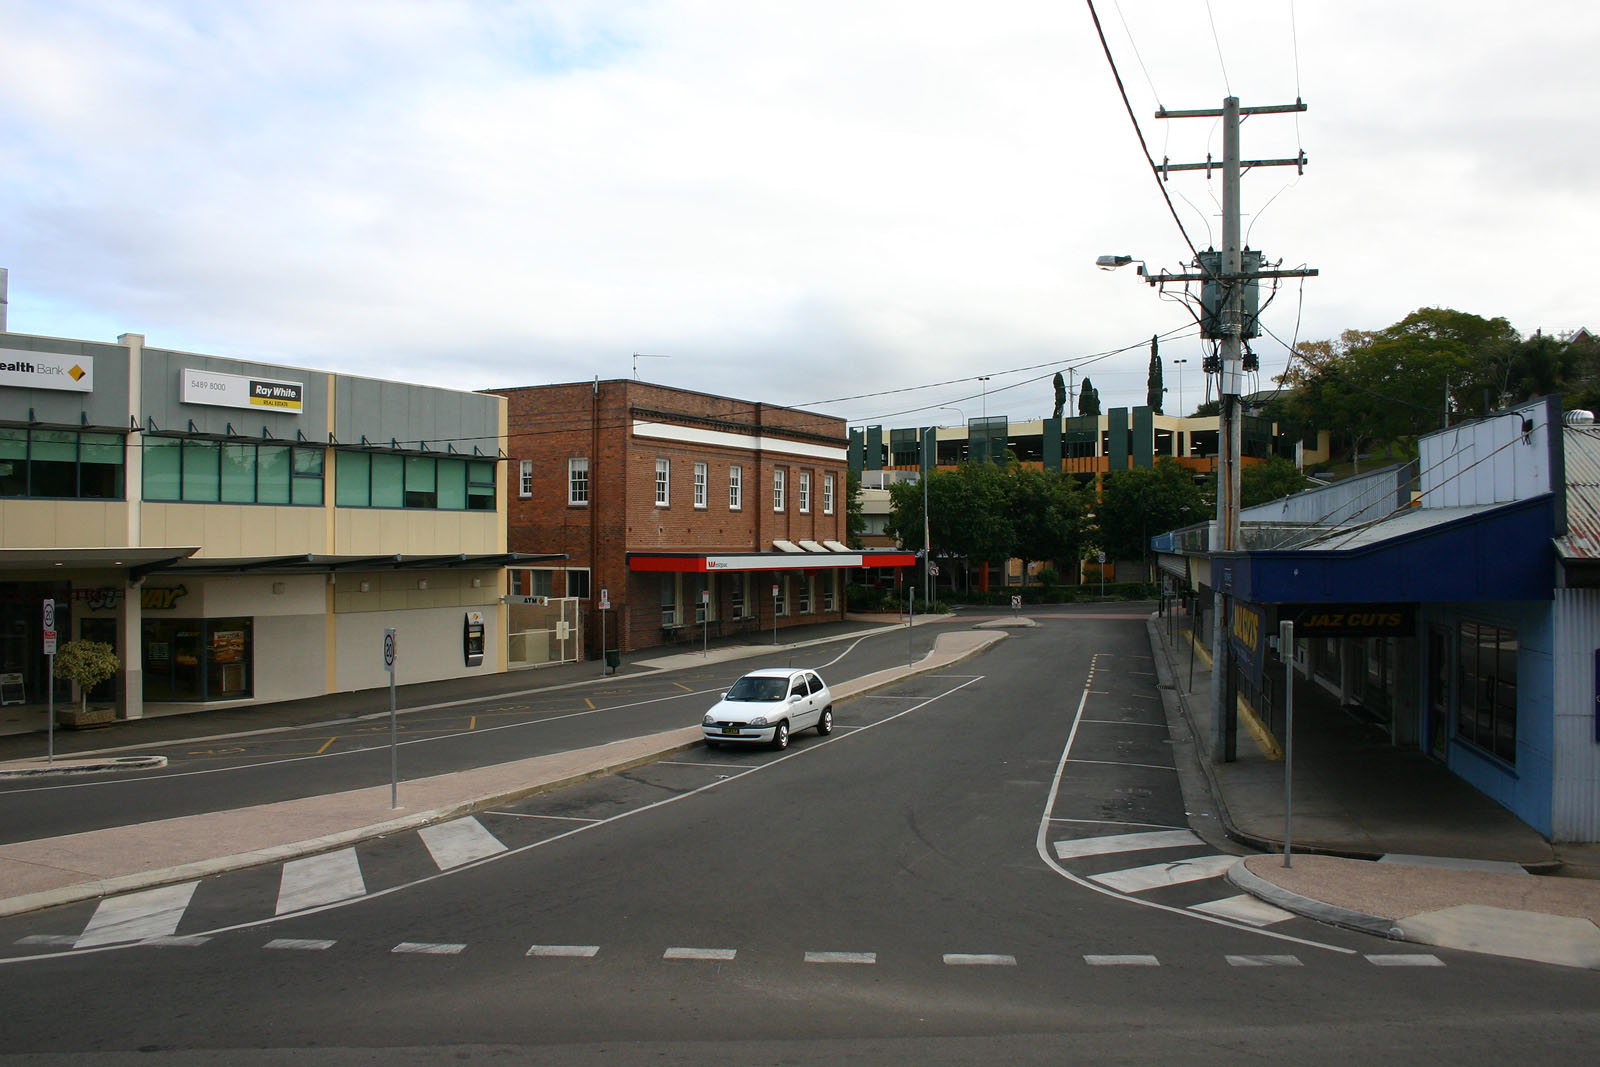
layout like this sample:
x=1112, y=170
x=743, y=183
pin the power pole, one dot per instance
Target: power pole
x=1227, y=281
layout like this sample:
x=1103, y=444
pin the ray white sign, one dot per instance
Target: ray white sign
x=236, y=391
x=46, y=370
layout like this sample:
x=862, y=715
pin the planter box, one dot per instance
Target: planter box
x=79, y=719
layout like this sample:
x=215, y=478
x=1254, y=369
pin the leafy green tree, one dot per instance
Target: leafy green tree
x=86, y=664
x=1088, y=399
x=1061, y=396
x=1137, y=504
x=855, y=523
x=1272, y=480
x=1047, y=515
x=1154, y=390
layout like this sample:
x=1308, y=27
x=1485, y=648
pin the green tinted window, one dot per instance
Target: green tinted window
x=352, y=475
x=163, y=468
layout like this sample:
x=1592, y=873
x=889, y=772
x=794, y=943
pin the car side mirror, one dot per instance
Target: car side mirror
x=722, y=696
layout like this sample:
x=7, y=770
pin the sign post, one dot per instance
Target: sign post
x=1286, y=650
x=50, y=678
x=911, y=613
x=1016, y=604
x=774, y=612
x=389, y=655
x=1100, y=557
x=705, y=622
x=605, y=606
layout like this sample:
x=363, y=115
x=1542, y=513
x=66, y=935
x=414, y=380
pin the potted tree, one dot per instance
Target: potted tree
x=86, y=664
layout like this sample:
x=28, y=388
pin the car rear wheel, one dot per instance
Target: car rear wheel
x=780, y=737
x=825, y=723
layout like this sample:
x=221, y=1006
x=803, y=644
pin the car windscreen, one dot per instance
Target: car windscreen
x=748, y=688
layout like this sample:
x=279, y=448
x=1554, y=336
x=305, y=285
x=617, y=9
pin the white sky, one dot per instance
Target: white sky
x=796, y=202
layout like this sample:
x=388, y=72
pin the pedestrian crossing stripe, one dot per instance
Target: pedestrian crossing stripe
x=1139, y=879
x=1100, y=846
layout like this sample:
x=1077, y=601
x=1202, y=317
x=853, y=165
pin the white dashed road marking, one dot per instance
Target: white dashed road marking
x=137, y=916
x=323, y=879
x=1263, y=961
x=459, y=841
x=699, y=954
x=1420, y=959
x=304, y=943
x=841, y=957
x=980, y=959
x=1122, y=961
x=564, y=951
x=428, y=948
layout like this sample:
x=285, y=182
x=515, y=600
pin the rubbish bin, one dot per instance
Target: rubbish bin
x=613, y=659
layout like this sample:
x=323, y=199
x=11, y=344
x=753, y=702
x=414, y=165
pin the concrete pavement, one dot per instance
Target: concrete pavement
x=52, y=871
x=1384, y=840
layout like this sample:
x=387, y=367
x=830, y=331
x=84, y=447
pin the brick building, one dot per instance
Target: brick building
x=684, y=508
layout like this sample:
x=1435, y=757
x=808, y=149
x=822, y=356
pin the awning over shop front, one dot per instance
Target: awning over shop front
x=136, y=561
x=1437, y=555
x=709, y=562
x=311, y=563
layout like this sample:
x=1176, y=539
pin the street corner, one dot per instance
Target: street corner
x=40, y=767
x=1564, y=940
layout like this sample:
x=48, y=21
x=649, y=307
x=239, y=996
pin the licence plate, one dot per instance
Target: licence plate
x=730, y=729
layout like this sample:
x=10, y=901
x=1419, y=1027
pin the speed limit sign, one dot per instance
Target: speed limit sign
x=388, y=650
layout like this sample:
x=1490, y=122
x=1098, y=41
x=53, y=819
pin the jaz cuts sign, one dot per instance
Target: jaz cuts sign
x=1351, y=620
x=235, y=391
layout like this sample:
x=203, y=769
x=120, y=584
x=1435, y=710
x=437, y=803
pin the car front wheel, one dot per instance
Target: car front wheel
x=780, y=737
x=825, y=723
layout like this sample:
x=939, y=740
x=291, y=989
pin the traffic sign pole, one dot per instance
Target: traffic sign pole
x=390, y=654
x=50, y=679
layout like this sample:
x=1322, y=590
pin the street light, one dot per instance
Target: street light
x=1113, y=262
x=984, y=379
x=1179, y=364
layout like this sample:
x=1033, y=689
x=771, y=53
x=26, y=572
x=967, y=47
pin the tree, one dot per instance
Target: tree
x=1061, y=396
x=86, y=664
x=1088, y=399
x=855, y=523
x=1137, y=504
x=1272, y=480
x=1047, y=516
x=1154, y=390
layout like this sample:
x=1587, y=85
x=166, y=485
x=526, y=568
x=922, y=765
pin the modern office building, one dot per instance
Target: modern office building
x=683, y=515
x=242, y=532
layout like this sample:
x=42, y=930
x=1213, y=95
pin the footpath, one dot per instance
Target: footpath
x=51, y=871
x=1383, y=839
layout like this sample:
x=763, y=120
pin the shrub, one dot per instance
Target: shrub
x=86, y=664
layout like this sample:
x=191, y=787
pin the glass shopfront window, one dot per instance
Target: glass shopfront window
x=231, y=472
x=60, y=464
x=388, y=480
x=198, y=659
x=1486, y=688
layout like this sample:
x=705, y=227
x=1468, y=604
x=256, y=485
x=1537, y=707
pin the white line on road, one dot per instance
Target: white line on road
x=1100, y=846
x=1122, y=961
x=558, y=818
x=1115, y=763
x=459, y=841
x=572, y=952
x=841, y=957
x=979, y=959
x=1419, y=959
x=1264, y=961
x=136, y=916
x=322, y=879
x=428, y=948
x=1246, y=909
x=1138, y=879
x=303, y=943
x=699, y=954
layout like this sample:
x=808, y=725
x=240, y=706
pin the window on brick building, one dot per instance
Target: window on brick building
x=578, y=481
x=778, y=488
x=805, y=491
x=735, y=487
x=700, y=475
x=663, y=476
x=829, y=584
x=525, y=478
x=827, y=494
x=802, y=597
x=669, y=599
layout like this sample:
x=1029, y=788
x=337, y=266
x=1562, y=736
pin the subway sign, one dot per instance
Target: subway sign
x=1351, y=620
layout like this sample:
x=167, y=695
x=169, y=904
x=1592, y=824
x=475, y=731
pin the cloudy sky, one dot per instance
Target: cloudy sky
x=860, y=206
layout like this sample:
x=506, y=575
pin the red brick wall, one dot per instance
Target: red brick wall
x=551, y=424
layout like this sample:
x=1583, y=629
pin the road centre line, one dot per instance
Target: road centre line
x=545, y=950
x=1042, y=847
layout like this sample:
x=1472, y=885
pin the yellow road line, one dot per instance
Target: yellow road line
x=685, y=688
x=589, y=702
x=1258, y=730
x=472, y=723
x=325, y=745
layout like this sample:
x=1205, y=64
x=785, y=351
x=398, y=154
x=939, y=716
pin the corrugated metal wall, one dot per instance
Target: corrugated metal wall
x=1576, y=801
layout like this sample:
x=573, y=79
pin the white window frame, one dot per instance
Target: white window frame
x=578, y=487
x=736, y=488
x=701, y=474
x=805, y=495
x=779, y=476
x=663, y=483
x=827, y=494
x=802, y=598
x=525, y=479
x=829, y=584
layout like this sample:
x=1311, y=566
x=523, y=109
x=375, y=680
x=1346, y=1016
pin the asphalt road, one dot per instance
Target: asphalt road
x=212, y=774
x=949, y=878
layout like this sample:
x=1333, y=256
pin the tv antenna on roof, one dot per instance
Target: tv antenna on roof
x=637, y=356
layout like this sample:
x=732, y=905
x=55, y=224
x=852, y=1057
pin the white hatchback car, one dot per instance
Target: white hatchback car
x=767, y=706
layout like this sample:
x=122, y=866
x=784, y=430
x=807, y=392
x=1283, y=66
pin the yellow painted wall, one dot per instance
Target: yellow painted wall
x=224, y=531
x=63, y=523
